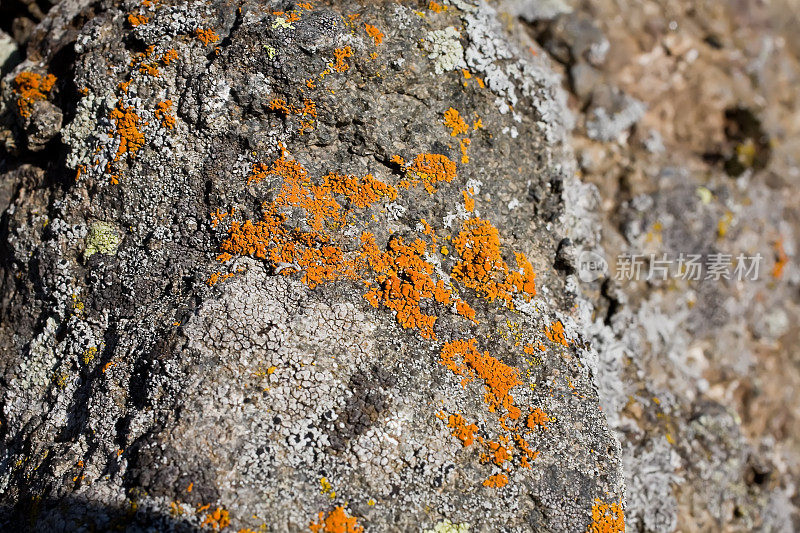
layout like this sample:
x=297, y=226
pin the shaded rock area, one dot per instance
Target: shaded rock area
x=290, y=266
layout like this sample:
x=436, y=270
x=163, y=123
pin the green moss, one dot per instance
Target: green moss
x=103, y=238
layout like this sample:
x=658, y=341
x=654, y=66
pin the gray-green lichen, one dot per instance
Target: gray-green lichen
x=103, y=238
x=446, y=526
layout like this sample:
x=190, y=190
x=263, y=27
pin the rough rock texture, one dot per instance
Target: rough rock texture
x=149, y=381
x=261, y=266
x=698, y=378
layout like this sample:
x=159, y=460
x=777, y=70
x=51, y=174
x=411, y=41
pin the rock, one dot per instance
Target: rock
x=43, y=124
x=244, y=291
x=566, y=259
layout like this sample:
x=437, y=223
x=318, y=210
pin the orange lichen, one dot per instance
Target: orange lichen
x=555, y=333
x=279, y=104
x=169, y=56
x=436, y=8
x=464, y=145
x=361, y=192
x=453, y=120
x=404, y=280
x=483, y=269
x=429, y=169
x=126, y=129
x=216, y=277
x=313, y=250
x=496, y=481
x=607, y=518
x=337, y=521
x=465, y=310
x=469, y=202
x=217, y=519
x=162, y=113
x=498, y=453
x=206, y=36
x=781, y=260
x=498, y=377
x=400, y=275
x=461, y=430
x=375, y=33
x=537, y=418
x=340, y=55
x=31, y=88
x=309, y=109
x=136, y=20
x=306, y=229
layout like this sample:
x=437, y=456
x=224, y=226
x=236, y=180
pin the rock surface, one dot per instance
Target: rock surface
x=278, y=270
x=272, y=266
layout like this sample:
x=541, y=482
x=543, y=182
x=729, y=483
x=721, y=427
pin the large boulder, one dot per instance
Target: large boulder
x=290, y=265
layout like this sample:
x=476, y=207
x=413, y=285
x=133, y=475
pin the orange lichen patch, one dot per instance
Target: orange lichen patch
x=162, y=113
x=427, y=229
x=375, y=33
x=309, y=109
x=279, y=104
x=314, y=251
x=555, y=332
x=781, y=260
x=136, y=20
x=498, y=453
x=429, y=169
x=217, y=277
x=496, y=481
x=340, y=55
x=337, y=521
x=537, y=418
x=217, y=216
x=464, y=145
x=469, y=202
x=464, y=309
x=478, y=124
x=453, y=120
x=482, y=268
x=498, y=377
x=397, y=160
x=404, y=279
x=607, y=518
x=169, y=56
x=126, y=129
x=31, y=88
x=529, y=454
x=436, y=8
x=206, y=36
x=461, y=430
x=361, y=192
x=218, y=519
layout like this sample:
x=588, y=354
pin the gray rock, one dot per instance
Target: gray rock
x=154, y=385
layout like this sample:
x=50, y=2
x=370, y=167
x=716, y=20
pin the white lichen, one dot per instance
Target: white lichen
x=446, y=50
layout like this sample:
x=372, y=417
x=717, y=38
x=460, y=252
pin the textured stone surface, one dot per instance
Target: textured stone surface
x=146, y=383
x=149, y=383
